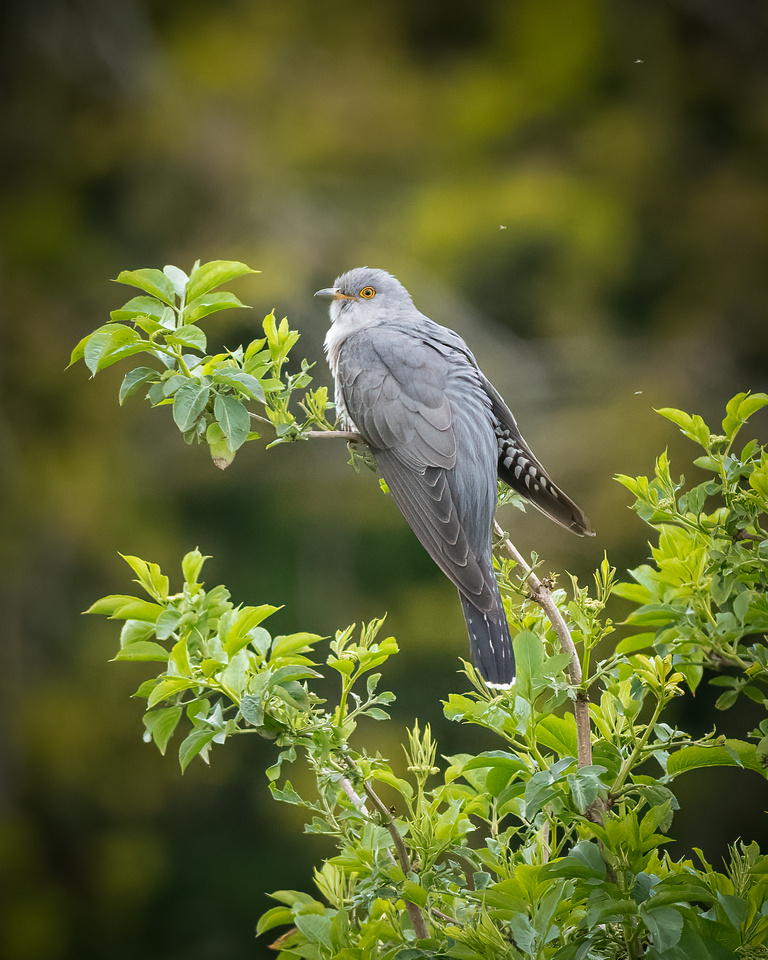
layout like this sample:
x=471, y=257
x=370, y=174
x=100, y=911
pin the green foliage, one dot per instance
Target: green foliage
x=210, y=394
x=552, y=843
x=703, y=599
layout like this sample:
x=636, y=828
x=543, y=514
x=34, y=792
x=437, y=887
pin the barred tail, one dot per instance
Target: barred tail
x=490, y=645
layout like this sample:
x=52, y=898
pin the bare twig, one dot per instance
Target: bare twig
x=353, y=795
x=349, y=435
x=541, y=594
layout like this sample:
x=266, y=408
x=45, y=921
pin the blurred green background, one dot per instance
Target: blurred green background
x=579, y=187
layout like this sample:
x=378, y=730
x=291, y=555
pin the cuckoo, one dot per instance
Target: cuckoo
x=440, y=434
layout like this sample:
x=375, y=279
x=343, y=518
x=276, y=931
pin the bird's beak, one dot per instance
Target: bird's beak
x=331, y=293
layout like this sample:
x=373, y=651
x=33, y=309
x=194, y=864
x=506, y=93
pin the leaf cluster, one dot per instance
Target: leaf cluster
x=210, y=394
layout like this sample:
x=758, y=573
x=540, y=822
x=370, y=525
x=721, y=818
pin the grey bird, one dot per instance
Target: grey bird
x=440, y=434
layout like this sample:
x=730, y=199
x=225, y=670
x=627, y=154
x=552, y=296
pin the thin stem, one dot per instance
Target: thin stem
x=417, y=917
x=353, y=795
x=541, y=594
x=638, y=748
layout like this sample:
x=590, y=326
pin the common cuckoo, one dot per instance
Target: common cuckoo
x=440, y=434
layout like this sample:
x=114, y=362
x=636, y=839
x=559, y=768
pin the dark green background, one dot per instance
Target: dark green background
x=579, y=187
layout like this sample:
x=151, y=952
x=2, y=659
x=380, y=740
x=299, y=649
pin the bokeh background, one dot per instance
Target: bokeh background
x=580, y=187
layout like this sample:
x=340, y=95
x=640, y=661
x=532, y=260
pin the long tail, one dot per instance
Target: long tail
x=490, y=644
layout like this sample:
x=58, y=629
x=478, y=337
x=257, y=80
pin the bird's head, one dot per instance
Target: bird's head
x=365, y=295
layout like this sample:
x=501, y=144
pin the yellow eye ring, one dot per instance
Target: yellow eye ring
x=367, y=293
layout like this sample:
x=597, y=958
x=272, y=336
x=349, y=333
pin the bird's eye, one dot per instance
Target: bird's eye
x=367, y=292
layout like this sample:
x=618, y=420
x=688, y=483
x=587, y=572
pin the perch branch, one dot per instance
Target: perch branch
x=541, y=594
x=417, y=917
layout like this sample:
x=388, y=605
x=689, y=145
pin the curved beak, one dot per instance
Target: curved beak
x=331, y=293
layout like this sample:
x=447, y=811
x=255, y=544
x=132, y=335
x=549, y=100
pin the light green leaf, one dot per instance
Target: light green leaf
x=198, y=742
x=529, y=657
x=168, y=688
x=739, y=409
x=178, y=279
x=233, y=418
x=209, y=303
x=140, y=307
x=733, y=753
x=315, y=927
x=189, y=336
x=111, y=343
x=189, y=402
x=386, y=776
x=134, y=630
x=210, y=275
x=218, y=447
x=244, y=382
x=276, y=917
x=142, y=650
x=558, y=734
x=292, y=644
x=692, y=426
x=161, y=723
x=415, y=893
x=151, y=281
x=192, y=565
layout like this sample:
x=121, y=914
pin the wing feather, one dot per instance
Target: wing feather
x=427, y=419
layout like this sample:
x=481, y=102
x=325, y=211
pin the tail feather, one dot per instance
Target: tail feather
x=490, y=644
x=520, y=469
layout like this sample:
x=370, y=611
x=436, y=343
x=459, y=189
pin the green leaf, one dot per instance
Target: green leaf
x=151, y=281
x=239, y=633
x=167, y=688
x=692, y=426
x=293, y=643
x=415, y=893
x=134, y=630
x=315, y=927
x=386, y=776
x=142, y=650
x=178, y=279
x=209, y=303
x=739, y=409
x=242, y=382
x=192, y=565
x=210, y=275
x=233, y=418
x=733, y=753
x=276, y=917
x=529, y=657
x=111, y=343
x=189, y=336
x=196, y=743
x=190, y=401
x=252, y=709
x=134, y=379
x=664, y=924
x=218, y=447
x=167, y=623
x=161, y=723
x=637, y=641
x=140, y=307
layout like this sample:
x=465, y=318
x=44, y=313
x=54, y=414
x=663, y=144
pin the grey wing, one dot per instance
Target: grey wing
x=427, y=419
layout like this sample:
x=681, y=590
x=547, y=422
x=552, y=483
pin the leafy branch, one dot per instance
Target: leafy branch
x=552, y=844
x=210, y=393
